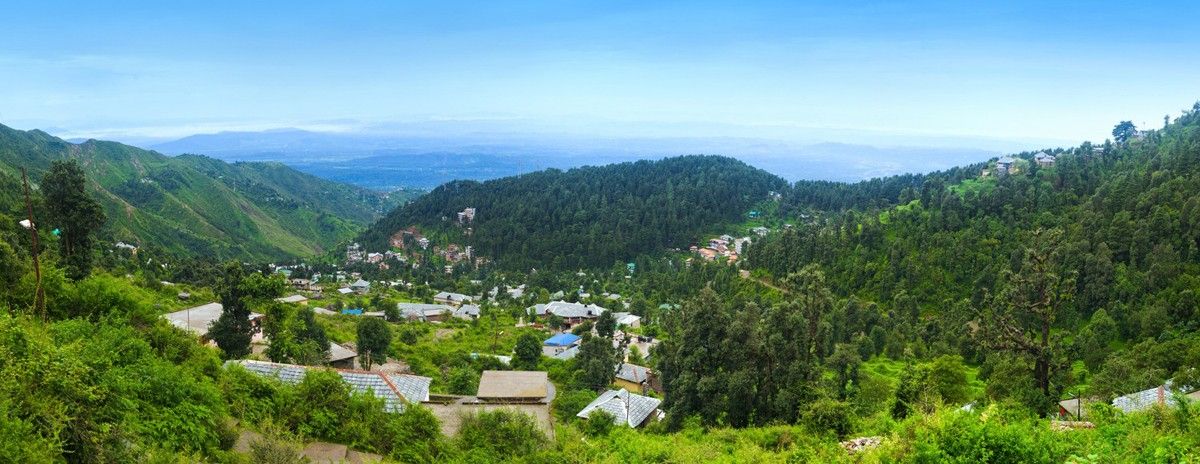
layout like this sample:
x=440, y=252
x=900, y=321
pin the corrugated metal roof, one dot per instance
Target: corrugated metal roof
x=568, y=353
x=338, y=352
x=395, y=389
x=562, y=339
x=633, y=373
x=629, y=409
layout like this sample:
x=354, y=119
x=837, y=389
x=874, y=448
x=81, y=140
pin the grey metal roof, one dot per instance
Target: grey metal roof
x=633, y=373
x=568, y=353
x=467, y=312
x=395, y=389
x=568, y=310
x=629, y=409
x=338, y=352
x=422, y=310
x=451, y=296
x=1143, y=399
x=414, y=388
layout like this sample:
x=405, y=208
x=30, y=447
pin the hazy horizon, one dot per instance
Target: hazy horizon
x=924, y=74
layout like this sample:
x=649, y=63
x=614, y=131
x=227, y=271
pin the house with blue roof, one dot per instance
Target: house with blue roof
x=559, y=343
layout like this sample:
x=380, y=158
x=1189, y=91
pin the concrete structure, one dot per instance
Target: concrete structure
x=514, y=387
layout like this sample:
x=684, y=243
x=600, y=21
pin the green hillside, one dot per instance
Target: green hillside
x=1107, y=238
x=198, y=206
x=589, y=216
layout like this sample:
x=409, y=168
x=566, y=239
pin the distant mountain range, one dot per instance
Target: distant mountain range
x=201, y=206
x=384, y=162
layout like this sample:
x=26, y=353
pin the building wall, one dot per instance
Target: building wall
x=629, y=386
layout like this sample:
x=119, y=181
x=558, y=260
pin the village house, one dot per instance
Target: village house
x=341, y=357
x=467, y=312
x=424, y=311
x=637, y=379
x=571, y=313
x=559, y=343
x=452, y=298
x=466, y=215
x=1145, y=399
x=627, y=320
x=627, y=409
x=360, y=286
x=354, y=253
x=1044, y=159
x=1004, y=165
x=761, y=231
x=566, y=354
x=396, y=390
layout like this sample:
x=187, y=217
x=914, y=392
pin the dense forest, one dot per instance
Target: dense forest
x=194, y=206
x=1058, y=280
x=590, y=216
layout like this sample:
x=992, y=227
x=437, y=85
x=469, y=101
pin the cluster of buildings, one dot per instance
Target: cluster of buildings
x=1009, y=165
x=725, y=246
x=197, y=321
x=466, y=216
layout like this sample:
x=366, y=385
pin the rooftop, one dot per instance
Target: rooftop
x=513, y=385
x=562, y=339
x=338, y=352
x=395, y=389
x=629, y=409
x=197, y=319
x=633, y=373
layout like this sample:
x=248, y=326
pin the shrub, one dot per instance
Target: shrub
x=500, y=434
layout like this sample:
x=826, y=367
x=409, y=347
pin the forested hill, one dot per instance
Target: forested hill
x=589, y=216
x=1116, y=228
x=198, y=206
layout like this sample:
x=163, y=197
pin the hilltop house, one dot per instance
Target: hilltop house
x=628, y=409
x=1004, y=165
x=1044, y=159
x=627, y=320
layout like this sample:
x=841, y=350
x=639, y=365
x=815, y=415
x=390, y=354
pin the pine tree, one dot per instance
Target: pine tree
x=74, y=213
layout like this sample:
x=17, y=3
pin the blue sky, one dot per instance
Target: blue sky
x=1016, y=70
